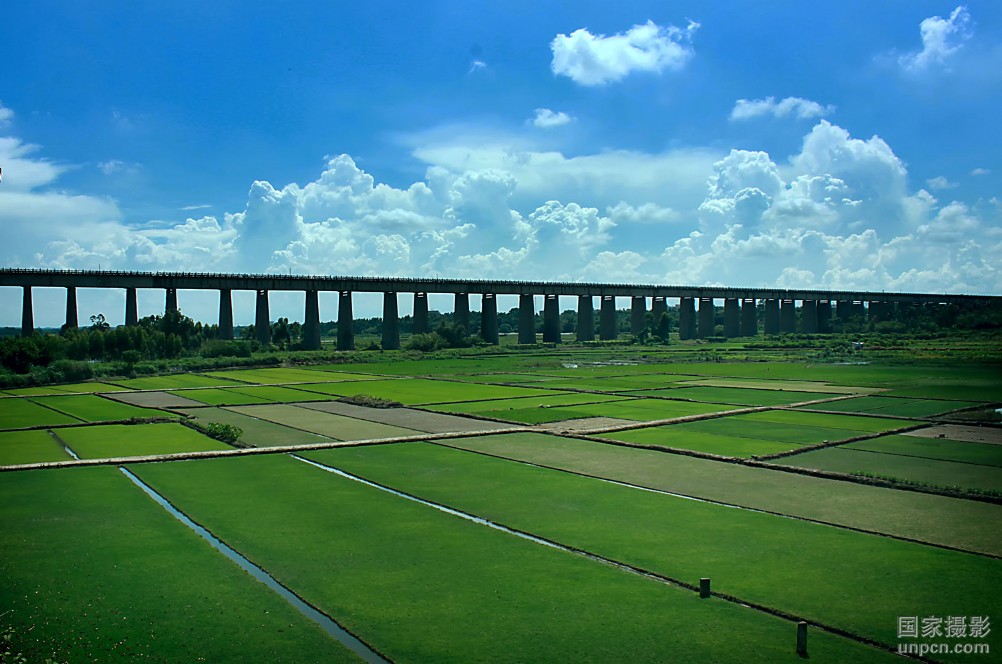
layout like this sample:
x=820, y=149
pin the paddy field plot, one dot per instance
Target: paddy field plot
x=119, y=440
x=421, y=585
x=686, y=539
x=92, y=408
x=936, y=472
x=337, y=427
x=785, y=385
x=174, y=381
x=421, y=391
x=965, y=524
x=287, y=375
x=972, y=434
x=941, y=449
x=408, y=418
x=899, y=406
x=34, y=446
x=98, y=571
x=254, y=431
x=616, y=383
x=155, y=399
x=20, y=412
x=736, y=395
x=73, y=388
x=236, y=396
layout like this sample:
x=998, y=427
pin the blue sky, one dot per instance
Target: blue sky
x=828, y=144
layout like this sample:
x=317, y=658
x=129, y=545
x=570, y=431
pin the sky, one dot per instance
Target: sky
x=843, y=145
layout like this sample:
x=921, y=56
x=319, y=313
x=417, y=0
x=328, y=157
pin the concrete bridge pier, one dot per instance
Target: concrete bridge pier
x=825, y=316
x=873, y=311
x=262, y=319
x=809, y=316
x=788, y=316
x=225, y=314
x=461, y=312
x=843, y=309
x=607, y=328
x=170, y=301
x=858, y=309
x=749, y=318
x=732, y=318
x=345, y=325
x=131, y=308
x=311, y=325
x=638, y=314
x=391, y=322
x=421, y=313
x=71, y=307
x=526, y=319
x=705, y=318
x=586, y=318
x=27, y=313
x=551, y=319
x=659, y=306
x=772, y=316
x=489, y=318
x=686, y=318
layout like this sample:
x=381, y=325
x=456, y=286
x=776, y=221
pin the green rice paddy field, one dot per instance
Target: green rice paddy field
x=563, y=507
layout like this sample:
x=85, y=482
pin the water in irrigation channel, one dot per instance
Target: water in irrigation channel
x=325, y=622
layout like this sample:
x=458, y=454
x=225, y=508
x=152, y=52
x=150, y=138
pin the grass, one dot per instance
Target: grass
x=33, y=446
x=92, y=408
x=942, y=449
x=19, y=412
x=95, y=571
x=937, y=519
x=425, y=586
x=116, y=440
x=933, y=472
x=687, y=540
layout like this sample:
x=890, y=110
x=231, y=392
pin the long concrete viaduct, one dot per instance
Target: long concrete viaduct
x=817, y=307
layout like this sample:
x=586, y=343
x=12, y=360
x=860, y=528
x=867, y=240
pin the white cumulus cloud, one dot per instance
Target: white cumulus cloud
x=545, y=118
x=6, y=115
x=747, y=109
x=941, y=38
x=589, y=59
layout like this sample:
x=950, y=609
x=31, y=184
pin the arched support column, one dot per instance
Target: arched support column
x=71, y=307
x=262, y=319
x=732, y=318
x=809, y=316
x=131, y=308
x=749, y=318
x=421, y=313
x=686, y=318
x=825, y=316
x=638, y=314
x=526, y=319
x=489, y=318
x=391, y=322
x=311, y=323
x=170, y=301
x=586, y=318
x=607, y=328
x=461, y=312
x=705, y=317
x=225, y=314
x=27, y=313
x=772, y=316
x=788, y=317
x=345, y=322
x=551, y=319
